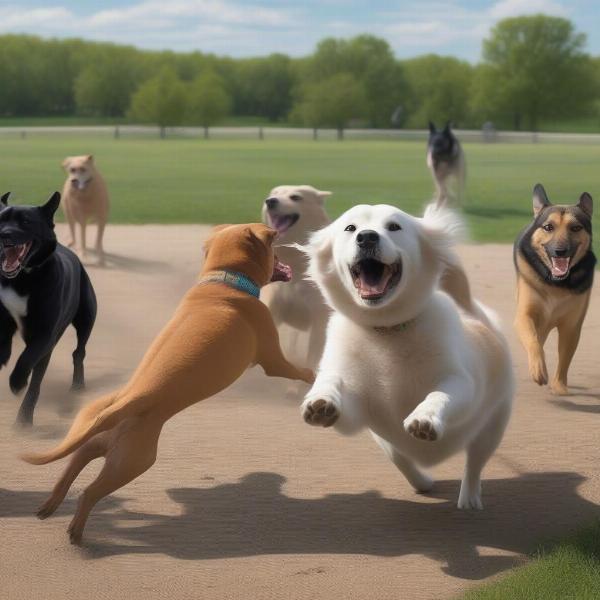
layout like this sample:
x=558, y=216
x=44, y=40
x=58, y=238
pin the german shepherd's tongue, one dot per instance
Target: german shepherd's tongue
x=560, y=266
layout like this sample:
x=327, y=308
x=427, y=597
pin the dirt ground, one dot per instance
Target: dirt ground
x=246, y=501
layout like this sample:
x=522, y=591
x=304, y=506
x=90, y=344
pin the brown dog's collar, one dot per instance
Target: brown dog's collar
x=239, y=281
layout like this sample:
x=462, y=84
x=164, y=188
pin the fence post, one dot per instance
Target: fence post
x=23, y=134
x=117, y=132
x=315, y=134
x=261, y=135
x=163, y=132
x=340, y=134
x=206, y=132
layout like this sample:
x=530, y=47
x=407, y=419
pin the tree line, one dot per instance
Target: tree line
x=532, y=68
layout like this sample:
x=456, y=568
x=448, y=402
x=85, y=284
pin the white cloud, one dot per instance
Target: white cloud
x=514, y=8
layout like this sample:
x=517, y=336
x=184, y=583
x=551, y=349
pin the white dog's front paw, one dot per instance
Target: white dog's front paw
x=470, y=497
x=320, y=412
x=423, y=426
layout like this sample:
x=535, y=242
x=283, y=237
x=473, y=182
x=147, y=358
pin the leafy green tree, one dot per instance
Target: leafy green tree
x=265, y=86
x=439, y=90
x=333, y=102
x=104, y=86
x=207, y=101
x=161, y=100
x=371, y=62
x=533, y=68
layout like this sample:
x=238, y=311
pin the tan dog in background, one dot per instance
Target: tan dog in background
x=296, y=211
x=85, y=198
x=218, y=331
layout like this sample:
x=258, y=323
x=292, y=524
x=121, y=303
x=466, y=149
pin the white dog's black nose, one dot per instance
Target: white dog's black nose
x=367, y=238
x=271, y=202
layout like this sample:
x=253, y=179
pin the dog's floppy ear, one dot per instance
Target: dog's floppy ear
x=432, y=128
x=586, y=204
x=211, y=237
x=50, y=207
x=5, y=197
x=540, y=199
x=264, y=233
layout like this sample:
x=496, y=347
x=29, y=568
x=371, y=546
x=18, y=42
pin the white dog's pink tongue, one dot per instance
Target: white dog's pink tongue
x=369, y=289
x=560, y=266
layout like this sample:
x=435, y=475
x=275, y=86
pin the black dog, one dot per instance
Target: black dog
x=43, y=288
x=445, y=159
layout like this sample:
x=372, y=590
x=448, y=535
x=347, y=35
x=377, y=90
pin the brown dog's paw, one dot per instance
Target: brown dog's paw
x=558, y=388
x=538, y=371
x=320, y=412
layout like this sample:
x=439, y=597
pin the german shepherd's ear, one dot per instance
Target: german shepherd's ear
x=4, y=199
x=50, y=207
x=586, y=204
x=540, y=199
x=432, y=128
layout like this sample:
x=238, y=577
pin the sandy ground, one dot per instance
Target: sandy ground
x=246, y=501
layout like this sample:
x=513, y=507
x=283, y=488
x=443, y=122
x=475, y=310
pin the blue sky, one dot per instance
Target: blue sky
x=257, y=27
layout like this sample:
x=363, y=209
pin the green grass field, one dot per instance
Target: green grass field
x=568, y=571
x=215, y=181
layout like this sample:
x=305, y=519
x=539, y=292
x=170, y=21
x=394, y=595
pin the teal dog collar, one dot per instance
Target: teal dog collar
x=235, y=280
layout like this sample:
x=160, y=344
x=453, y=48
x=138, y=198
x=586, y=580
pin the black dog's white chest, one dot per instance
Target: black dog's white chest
x=15, y=304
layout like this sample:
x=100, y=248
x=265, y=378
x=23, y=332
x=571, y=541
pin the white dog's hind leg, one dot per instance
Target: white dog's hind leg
x=479, y=452
x=420, y=481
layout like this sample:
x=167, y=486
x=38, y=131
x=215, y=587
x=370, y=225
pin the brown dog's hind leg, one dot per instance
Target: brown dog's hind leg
x=132, y=451
x=276, y=365
x=92, y=449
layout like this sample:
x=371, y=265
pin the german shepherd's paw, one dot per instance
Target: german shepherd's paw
x=320, y=412
x=423, y=426
x=558, y=388
x=538, y=371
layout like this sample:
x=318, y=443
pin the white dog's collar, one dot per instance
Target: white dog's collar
x=394, y=328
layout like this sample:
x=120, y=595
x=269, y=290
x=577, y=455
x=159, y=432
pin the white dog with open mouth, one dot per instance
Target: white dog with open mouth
x=427, y=378
x=296, y=211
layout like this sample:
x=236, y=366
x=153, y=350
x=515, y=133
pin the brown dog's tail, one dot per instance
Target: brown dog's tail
x=100, y=415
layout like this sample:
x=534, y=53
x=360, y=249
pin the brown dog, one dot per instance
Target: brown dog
x=555, y=271
x=218, y=330
x=85, y=198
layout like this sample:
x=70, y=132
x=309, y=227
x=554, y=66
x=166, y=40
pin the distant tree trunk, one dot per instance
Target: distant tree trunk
x=206, y=132
x=163, y=132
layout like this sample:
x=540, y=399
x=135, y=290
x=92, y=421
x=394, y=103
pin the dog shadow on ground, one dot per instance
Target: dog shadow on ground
x=593, y=409
x=125, y=263
x=254, y=517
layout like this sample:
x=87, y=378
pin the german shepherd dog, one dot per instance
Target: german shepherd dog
x=555, y=271
x=43, y=289
x=446, y=161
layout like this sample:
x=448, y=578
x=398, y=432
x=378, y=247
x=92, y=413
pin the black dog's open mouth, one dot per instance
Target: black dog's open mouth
x=374, y=279
x=283, y=222
x=560, y=267
x=281, y=271
x=13, y=257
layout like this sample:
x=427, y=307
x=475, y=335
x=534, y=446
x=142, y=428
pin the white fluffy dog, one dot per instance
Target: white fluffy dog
x=427, y=378
x=296, y=211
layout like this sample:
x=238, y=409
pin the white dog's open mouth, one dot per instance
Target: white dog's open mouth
x=281, y=271
x=560, y=267
x=13, y=258
x=374, y=279
x=283, y=222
